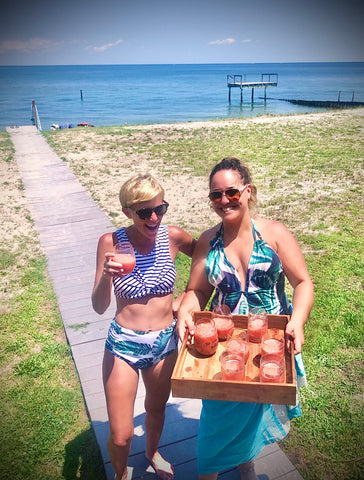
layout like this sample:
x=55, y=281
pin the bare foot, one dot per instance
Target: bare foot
x=163, y=469
x=124, y=476
x=247, y=471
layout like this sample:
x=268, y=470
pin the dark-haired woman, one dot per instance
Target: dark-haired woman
x=246, y=259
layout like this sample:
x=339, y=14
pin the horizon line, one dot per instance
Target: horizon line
x=173, y=64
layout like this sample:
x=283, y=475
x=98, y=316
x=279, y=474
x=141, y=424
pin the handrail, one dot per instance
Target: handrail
x=265, y=79
x=35, y=116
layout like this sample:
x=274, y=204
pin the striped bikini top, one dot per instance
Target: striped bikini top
x=154, y=273
x=265, y=280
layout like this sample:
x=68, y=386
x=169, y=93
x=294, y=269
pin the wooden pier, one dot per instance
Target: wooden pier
x=240, y=81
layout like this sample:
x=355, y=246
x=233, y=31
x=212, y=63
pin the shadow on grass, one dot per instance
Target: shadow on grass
x=83, y=458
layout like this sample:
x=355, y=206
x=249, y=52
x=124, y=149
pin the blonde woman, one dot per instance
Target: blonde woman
x=142, y=337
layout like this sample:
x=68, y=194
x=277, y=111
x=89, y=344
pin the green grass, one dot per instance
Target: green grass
x=42, y=408
x=309, y=174
x=44, y=429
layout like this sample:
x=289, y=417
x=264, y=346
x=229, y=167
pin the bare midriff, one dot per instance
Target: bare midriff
x=145, y=314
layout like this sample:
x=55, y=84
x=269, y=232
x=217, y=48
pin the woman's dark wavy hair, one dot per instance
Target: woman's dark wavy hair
x=233, y=163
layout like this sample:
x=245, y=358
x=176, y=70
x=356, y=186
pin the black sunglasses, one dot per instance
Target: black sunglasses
x=145, y=213
x=230, y=193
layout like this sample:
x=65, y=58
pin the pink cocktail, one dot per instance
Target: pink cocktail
x=237, y=346
x=272, y=368
x=222, y=309
x=272, y=345
x=125, y=256
x=205, y=337
x=257, y=324
x=224, y=326
x=232, y=367
x=127, y=261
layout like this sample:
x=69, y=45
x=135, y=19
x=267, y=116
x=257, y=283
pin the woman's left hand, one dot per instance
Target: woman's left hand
x=294, y=333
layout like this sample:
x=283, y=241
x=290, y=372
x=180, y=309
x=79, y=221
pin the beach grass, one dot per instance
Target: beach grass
x=309, y=173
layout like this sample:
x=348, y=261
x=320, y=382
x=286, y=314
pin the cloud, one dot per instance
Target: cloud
x=28, y=45
x=102, y=48
x=247, y=40
x=227, y=41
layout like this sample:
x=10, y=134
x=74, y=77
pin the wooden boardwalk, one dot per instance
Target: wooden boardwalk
x=69, y=224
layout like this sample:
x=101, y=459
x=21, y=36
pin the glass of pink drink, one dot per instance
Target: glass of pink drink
x=257, y=324
x=238, y=346
x=125, y=256
x=272, y=344
x=232, y=367
x=272, y=368
x=205, y=337
x=223, y=321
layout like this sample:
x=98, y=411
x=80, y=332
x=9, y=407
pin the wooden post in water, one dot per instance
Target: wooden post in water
x=81, y=95
x=253, y=95
x=338, y=98
x=352, y=97
x=34, y=113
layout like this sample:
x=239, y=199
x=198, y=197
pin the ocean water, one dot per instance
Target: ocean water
x=143, y=94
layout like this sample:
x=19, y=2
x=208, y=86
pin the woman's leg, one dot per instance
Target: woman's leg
x=247, y=471
x=157, y=380
x=120, y=384
x=208, y=476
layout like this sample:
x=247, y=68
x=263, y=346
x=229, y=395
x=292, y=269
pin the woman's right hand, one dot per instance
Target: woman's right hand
x=111, y=268
x=185, y=326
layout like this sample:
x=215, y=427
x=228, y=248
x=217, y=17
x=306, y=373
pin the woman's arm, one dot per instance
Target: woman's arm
x=101, y=293
x=199, y=289
x=180, y=241
x=295, y=269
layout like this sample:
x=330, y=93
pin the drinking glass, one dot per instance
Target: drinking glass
x=272, y=368
x=124, y=254
x=232, y=367
x=238, y=346
x=272, y=344
x=257, y=324
x=224, y=323
x=205, y=336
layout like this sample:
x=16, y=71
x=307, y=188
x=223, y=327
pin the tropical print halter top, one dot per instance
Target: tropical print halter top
x=265, y=280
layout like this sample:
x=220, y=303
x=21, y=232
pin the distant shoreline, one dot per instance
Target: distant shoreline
x=212, y=123
x=267, y=118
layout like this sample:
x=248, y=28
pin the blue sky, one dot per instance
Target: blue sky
x=64, y=32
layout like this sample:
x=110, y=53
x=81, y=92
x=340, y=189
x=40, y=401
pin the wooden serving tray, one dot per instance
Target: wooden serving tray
x=197, y=376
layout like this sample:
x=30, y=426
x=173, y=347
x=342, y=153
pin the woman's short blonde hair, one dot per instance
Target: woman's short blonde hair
x=140, y=188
